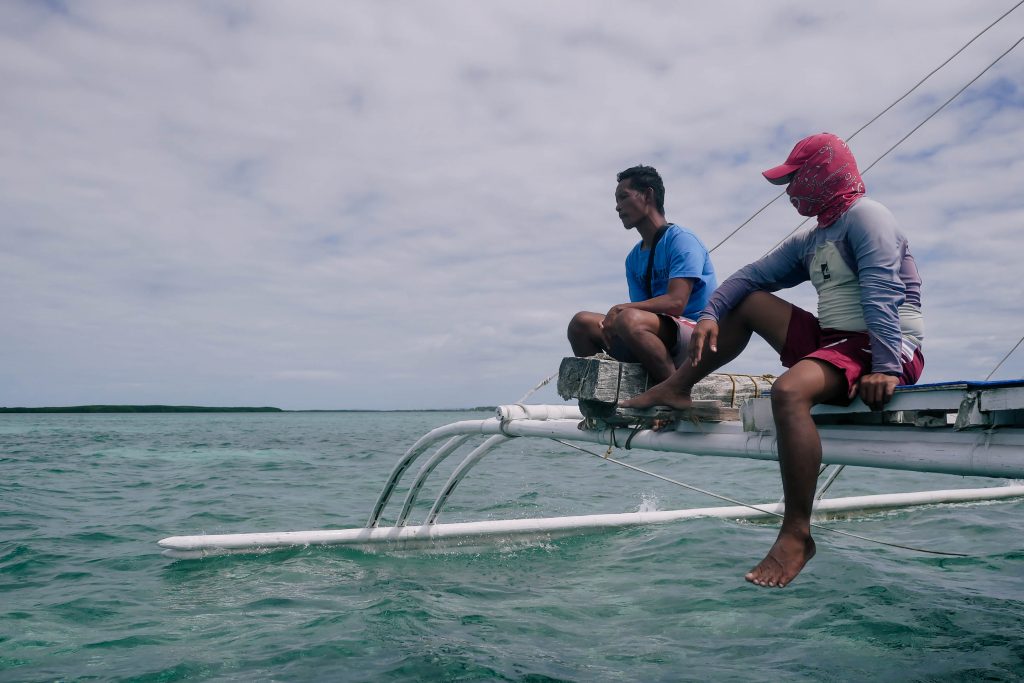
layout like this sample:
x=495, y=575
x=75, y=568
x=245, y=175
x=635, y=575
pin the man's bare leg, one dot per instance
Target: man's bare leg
x=760, y=312
x=648, y=337
x=585, y=334
x=808, y=382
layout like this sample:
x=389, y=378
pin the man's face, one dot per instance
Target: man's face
x=630, y=204
x=803, y=195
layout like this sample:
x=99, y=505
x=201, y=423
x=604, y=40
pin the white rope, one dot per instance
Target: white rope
x=754, y=507
x=914, y=130
x=544, y=382
x=880, y=114
x=933, y=71
x=999, y=364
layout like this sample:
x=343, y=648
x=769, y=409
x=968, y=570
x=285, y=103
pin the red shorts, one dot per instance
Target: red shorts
x=849, y=352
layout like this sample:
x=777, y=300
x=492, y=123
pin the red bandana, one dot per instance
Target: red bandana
x=827, y=182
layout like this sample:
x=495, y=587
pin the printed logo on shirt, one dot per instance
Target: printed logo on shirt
x=825, y=275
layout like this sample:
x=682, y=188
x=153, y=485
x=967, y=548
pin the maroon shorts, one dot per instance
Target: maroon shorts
x=849, y=352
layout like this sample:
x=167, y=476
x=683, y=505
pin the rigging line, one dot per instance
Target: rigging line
x=756, y=213
x=791, y=232
x=754, y=507
x=876, y=117
x=544, y=382
x=944, y=104
x=915, y=129
x=936, y=69
x=1008, y=354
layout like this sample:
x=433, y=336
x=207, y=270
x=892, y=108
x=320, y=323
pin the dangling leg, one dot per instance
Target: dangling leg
x=807, y=383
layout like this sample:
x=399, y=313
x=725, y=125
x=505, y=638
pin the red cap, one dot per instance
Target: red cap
x=804, y=150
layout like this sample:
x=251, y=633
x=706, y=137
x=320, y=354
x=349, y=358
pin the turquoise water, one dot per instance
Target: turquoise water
x=86, y=595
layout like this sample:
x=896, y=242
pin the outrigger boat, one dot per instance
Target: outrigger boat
x=964, y=428
x=970, y=428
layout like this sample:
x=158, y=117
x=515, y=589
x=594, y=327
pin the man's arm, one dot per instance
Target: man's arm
x=876, y=243
x=779, y=269
x=673, y=302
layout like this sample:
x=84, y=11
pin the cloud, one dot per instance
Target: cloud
x=393, y=206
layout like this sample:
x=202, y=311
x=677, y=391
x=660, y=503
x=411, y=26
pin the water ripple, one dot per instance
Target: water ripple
x=85, y=593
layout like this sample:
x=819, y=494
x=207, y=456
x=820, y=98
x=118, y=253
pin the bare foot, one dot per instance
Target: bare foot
x=659, y=395
x=784, y=561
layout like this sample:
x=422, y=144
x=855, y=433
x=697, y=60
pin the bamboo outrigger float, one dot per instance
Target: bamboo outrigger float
x=965, y=428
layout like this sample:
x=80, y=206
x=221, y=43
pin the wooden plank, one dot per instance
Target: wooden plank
x=731, y=389
x=938, y=399
x=927, y=409
x=596, y=379
x=699, y=411
x=1004, y=398
x=609, y=381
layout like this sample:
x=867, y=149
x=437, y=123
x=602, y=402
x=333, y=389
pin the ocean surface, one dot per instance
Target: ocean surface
x=86, y=595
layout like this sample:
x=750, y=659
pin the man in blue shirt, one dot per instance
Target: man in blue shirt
x=667, y=288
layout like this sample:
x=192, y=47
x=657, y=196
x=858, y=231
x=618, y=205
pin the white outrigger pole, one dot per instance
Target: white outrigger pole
x=966, y=428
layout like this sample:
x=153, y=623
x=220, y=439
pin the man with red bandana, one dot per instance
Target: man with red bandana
x=866, y=338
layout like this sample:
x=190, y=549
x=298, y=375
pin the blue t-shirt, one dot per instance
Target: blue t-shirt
x=680, y=253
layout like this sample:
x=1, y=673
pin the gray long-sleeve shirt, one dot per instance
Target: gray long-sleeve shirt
x=866, y=278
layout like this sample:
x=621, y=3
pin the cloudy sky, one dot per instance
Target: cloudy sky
x=317, y=205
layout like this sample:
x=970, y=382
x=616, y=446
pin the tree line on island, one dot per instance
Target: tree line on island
x=210, y=409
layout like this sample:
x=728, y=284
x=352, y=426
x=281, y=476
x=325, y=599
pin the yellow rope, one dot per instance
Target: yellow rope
x=770, y=379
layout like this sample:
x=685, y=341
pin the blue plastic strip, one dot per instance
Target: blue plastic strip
x=964, y=384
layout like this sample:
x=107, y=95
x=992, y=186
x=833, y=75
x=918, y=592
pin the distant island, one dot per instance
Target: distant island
x=209, y=409
x=140, y=409
x=477, y=409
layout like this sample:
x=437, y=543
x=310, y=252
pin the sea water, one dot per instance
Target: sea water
x=86, y=595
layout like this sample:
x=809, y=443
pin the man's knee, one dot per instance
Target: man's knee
x=631, y=321
x=809, y=382
x=582, y=325
x=789, y=392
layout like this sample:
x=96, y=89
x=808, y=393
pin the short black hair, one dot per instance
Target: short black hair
x=642, y=177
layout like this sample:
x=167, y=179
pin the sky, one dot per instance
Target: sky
x=400, y=205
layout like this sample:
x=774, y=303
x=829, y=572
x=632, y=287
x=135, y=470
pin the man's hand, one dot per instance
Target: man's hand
x=608, y=324
x=706, y=332
x=877, y=388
